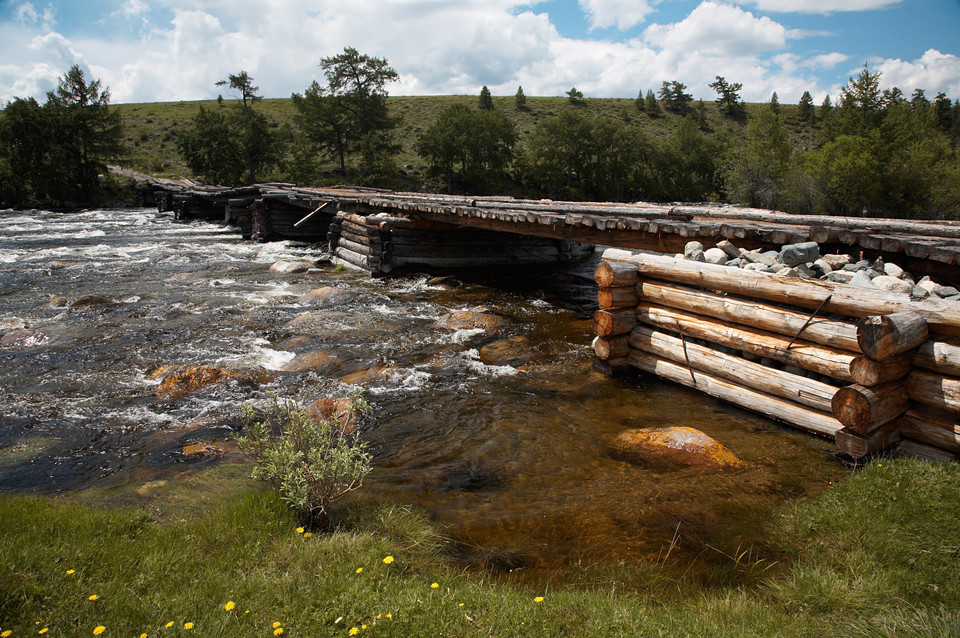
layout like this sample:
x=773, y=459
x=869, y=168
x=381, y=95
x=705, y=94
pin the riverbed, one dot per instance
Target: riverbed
x=510, y=458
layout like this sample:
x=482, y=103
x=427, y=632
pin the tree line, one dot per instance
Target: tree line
x=875, y=152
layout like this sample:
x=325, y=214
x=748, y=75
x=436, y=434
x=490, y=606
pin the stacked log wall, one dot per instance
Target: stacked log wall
x=865, y=368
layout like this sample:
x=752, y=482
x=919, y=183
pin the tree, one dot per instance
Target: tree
x=640, y=102
x=349, y=114
x=575, y=96
x=805, y=107
x=826, y=108
x=848, y=167
x=211, y=148
x=652, y=107
x=775, y=102
x=755, y=171
x=520, y=99
x=59, y=150
x=728, y=97
x=486, y=100
x=687, y=165
x=673, y=96
x=943, y=111
x=244, y=83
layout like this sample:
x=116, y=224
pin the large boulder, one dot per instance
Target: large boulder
x=513, y=351
x=338, y=412
x=22, y=338
x=674, y=446
x=317, y=360
x=290, y=267
x=473, y=319
x=179, y=381
x=327, y=296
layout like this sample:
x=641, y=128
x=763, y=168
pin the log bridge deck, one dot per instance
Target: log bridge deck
x=869, y=369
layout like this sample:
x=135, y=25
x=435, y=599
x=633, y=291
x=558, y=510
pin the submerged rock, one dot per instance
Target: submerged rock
x=474, y=319
x=366, y=377
x=674, y=446
x=337, y=412
x=514, y=351
x=317, y=360
x=23, y=338
x=178, y=381
x=327, y=296
x=290, y=267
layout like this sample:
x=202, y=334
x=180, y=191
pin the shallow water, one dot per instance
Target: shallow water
x=512, y=461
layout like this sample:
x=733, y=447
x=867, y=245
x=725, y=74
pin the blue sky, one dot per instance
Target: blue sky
x=159, y=50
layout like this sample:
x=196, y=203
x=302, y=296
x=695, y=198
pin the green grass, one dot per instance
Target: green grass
x=876, y=555
x=150, y=129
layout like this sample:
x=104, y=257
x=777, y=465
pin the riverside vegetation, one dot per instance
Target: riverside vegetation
x=875, y=555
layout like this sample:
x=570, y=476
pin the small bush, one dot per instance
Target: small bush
x=310, y=462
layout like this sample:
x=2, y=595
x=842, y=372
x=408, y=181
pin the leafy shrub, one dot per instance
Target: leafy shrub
x=310, y=462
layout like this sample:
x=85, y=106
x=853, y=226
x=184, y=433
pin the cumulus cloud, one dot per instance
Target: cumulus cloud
x=719, y=29
x=622, y=14
x=820, y=6
x=933, y=71
x=27, y=14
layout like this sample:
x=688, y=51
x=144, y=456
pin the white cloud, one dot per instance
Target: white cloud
x=820, y=6
x=622, y=14
x=719, y=29
x=825, y=60
x=933, y=71
x=27, y=14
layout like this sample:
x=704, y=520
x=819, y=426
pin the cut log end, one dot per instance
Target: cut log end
x=865, y=409
x=884, y=336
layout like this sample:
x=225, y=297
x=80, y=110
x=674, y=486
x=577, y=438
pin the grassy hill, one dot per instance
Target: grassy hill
x=150, y=129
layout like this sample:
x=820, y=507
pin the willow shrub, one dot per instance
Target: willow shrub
x=311, y=462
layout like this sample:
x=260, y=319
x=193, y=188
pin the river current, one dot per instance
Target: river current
x=511, y=459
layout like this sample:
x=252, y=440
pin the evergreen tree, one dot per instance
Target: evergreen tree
x=486, y=100
x=702, y=115
x=756, y=170
x=674, y=97
x=260, y=147
x=575, y=96
x=943, y=110
x=805, y=107
x=728, y=97
x=775, y=102
x=520, y=99
x=826, y=108
x=211, y=148
x=652, y=107
x=640, y=102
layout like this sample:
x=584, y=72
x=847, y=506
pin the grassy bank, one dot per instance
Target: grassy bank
x=876, y=554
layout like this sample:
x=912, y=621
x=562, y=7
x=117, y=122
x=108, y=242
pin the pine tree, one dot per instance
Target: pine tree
x=728, y=96
x=575, y=96
x=520, y=99
x=652, y=108
x=775, y=103
x=805, y=107
x=641, y=104
x=826, y=108
x=486, y=100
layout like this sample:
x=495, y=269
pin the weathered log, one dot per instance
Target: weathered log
x=941, y=355
x=933, y=427
x=785, y=385
x=360, y=249
x=615, y=273
x=868, y=372
x=364, y=261
x=941, y=315
x=831, y=362
x=611, y=348
x=750, y=312
x=619, y=297
x=612, y=367
x=609, y=322
x=880, y=337
x=860, y=445
x=774, y=408
x=927, y=452
x=930, y=388
x=865, y=409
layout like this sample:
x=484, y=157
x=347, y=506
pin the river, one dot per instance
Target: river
x=511, y=460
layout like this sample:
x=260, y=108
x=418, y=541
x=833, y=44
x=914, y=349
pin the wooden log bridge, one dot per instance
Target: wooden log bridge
x=867, y=368
x=424, y=229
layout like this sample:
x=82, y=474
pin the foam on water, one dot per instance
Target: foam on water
x=258, y=356
x=403, y=380
x=462, y=336
x=471, y=359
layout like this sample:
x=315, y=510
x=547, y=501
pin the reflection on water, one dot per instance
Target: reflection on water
x=511, y=458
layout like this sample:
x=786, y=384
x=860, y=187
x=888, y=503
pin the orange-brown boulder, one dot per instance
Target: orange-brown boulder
x=474, y=319
x=336, y=412
x=513, y=351
x=326, y=296
x=307, y=361
x=365, y=377
x=674, y=446
x=183, y=380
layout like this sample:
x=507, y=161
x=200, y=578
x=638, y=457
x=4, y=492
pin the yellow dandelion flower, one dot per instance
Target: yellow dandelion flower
x=169, y=625
x=229, y=606
x=188, y=625
x=388, y=560
x=299, y=530
x=379, y=616
x=71, y=571
x=92, y=597
x=389, y=615
x=44, y=630
x=276, y=624
x=359, y=570
x=538, y=599
x=143, y=635
x=278, y=631
x=460, y=605
x=307, y=535
x=6, y=633
x=363, y=626
x=99, y=629
x=353, y=631
x=434, y=585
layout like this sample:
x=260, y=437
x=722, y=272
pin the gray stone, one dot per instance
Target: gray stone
x=892, y=284
x=928, y=284
x=754, y=266
x=715, y=256
x=945, y=291
x=871, y=273
x=862, y=280
x=952, y=298
x=728, y=248
x=736, y=263
x=877, y=266
x=696, y=255
x=690, y=247
x=919, y=292
x=773, y=269
x=756, y=257
x=807, y=271
x=850, y=268
x=864, y=264
x=796, y=254
x=821, y=266
x=786, y=271
x=290, y=267
x=836, y=261
x=840, y=276
x=893, y=270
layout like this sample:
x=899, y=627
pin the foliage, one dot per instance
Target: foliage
x=652, y=106
x=58, y=151
x=640, y=102
x=775, y=102
x=520, y=100
x=310, y=462
x=686, y=165
x=674, y=97
x=479, y=143
x=575, y=96
x=485, y=102
x=756, y=169
x=728, y=97
x=805, y=111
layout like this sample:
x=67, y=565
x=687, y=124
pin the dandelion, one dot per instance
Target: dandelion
x=299, y=530
x=188, y=625
x=169, y=625
x=460, y=605
x=229, y=606
x=143, y=635
x=359, y=570
x=363, y=626
x=389, y=615
x=92, y=597
x=6, y=633
x=44, y=630
x=276, y=624
x=388, y=560
x=99, y=629
x=71, y=571
x=278, y=631
x=353, y=631
x=434, y=585
x=307, y=535
x=538, y=599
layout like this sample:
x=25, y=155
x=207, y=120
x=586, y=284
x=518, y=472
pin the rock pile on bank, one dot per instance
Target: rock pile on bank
x=805, y=260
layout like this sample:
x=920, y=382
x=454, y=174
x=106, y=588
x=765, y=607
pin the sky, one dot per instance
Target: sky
x=169, y=50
